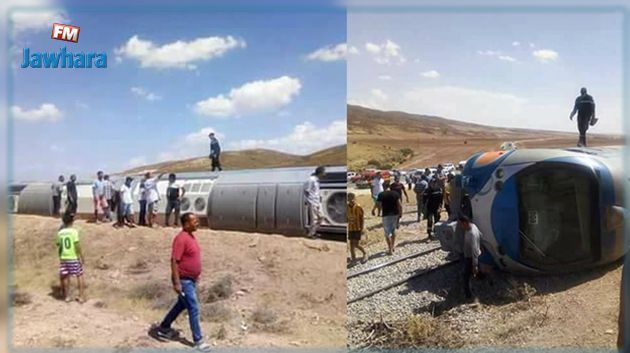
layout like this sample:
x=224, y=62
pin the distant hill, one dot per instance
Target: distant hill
x=387, y=139
x=250, y=159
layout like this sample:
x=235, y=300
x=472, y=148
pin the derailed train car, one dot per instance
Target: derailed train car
x=545, y=210
x=266, y=201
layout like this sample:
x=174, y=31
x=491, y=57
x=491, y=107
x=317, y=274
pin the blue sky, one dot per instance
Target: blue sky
x=259, y=73
x=501, y=69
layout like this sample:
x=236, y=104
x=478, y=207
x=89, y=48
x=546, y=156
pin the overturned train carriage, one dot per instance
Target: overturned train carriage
x=544, y=210
x=266, y=201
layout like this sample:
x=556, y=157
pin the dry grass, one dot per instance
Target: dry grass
x=219, y=290
x=19, y=298
x=416, y=331
x=215, y=312
x=267, y=320
x=157, y=293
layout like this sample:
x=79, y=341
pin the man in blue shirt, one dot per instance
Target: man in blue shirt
x=215, y=152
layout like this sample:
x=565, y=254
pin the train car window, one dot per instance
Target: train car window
x=195, y=187
x=205, y=187
x=557, y=217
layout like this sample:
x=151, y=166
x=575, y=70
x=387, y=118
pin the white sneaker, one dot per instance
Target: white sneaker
x=202, y=347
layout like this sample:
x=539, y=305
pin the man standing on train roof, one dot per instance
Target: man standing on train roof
x=215, y=152
x=585, y=109
x=313, y=199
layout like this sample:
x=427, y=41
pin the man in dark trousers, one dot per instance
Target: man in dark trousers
x=72, y=197
x=434, y=196
x=185, y=271
x=585, y=109
x=215, y=152
x=472, y=250
x=57, y=189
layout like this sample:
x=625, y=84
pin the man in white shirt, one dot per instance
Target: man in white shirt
x=98, y=195
x=125, y=208
x=377, y=189
x=57, y=190
x=313, y=199
x=472, y=250
x=152, y=196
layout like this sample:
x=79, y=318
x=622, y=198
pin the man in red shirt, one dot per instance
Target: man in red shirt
x=185, y=271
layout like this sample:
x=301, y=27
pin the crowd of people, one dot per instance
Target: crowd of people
x=111, y=200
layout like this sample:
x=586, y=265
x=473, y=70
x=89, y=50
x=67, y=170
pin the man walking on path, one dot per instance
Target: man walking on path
x=399, y=188
x=585, y=109
x=355, y=227
x=419, y=188
x=313, y=199
x=376, y=189
x=185, y=272
x=434, y=203
x=391, y=212
x=215, y=152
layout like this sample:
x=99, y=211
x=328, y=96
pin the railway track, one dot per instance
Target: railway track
x=393, y=262
x=402, y=281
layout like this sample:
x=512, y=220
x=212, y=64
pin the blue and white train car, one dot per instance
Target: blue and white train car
x=548, y=210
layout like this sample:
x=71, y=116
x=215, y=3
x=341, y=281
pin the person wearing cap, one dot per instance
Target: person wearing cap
x=313, y=200
x=215, y=152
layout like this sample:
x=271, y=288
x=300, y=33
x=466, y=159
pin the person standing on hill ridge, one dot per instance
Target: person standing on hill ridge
x=585, y=108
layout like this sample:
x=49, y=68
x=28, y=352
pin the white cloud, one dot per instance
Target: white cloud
x=545, y=55
x=46, y=112
x=489, y=52
x=142, y=93
x=516, y=44
x=332, y=53
x=250, y=98
x=305, y=138
x=496, y=54
x=532, y=45
x=24, y=21
x=506, y=58
x=384, y=77
x=178, y=54
x=379, y=94
x=431, y=74
x=386, y=53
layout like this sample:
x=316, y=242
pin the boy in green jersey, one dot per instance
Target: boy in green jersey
x=70, y=258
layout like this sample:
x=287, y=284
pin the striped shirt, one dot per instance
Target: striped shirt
x=108, y=189
x=355, y=217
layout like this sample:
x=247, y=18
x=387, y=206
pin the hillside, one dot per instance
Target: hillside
x=396, y=139
x=251, y=159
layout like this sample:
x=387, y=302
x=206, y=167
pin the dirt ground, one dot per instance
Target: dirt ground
x=257, y=290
